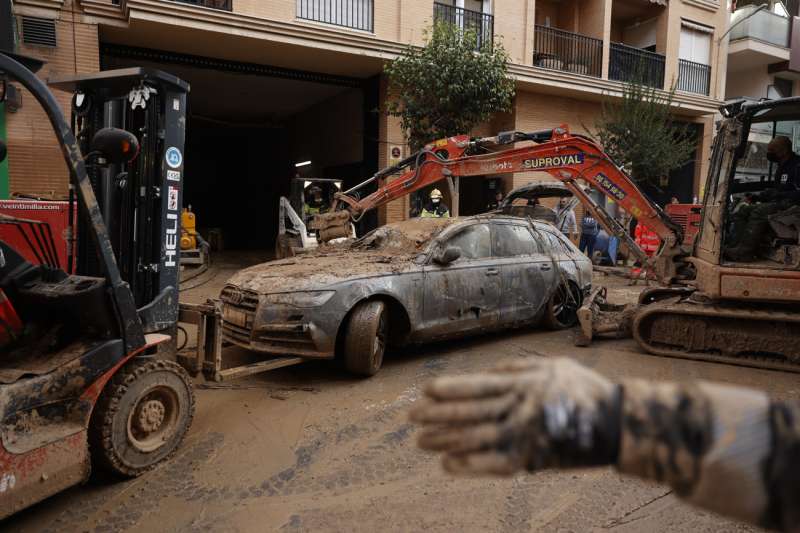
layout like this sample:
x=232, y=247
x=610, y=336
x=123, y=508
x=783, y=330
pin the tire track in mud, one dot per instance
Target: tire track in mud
x=384, y=455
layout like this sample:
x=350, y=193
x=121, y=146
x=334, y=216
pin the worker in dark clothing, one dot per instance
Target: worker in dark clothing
x=753, y=220
x=435, y=208
x=731, y=450
x=494, y=205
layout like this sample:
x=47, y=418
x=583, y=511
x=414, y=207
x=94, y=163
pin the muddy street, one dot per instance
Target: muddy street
x=309, y=448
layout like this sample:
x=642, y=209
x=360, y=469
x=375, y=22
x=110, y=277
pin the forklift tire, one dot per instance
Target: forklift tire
x=561, y=311
x=365, y=338
x=141, y=417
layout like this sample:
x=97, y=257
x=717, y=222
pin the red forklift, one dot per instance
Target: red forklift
x=87, y=377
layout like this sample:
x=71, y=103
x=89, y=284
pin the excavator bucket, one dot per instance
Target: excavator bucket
x=335, y=225
x=598, y=318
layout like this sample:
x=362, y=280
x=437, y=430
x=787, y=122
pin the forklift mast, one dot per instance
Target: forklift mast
x=141, y=200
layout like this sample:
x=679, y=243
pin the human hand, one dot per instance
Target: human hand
x=531, y=414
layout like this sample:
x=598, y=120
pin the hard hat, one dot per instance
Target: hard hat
x=436, y=193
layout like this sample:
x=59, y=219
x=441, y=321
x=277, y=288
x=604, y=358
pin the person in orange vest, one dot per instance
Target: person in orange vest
x=647, y=240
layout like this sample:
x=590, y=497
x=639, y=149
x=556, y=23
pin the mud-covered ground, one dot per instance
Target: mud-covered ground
x=308, y=448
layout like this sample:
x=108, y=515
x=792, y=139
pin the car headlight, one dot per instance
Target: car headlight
x=300, y=299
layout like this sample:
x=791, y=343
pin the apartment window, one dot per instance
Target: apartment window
x=695, y=44
x=356, y=14
x=694, y=56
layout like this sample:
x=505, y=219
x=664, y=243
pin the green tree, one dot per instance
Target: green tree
x=640, y=133
x=450, y=85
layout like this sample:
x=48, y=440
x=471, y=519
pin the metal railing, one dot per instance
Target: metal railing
x=481, y=23
x=693, y=77
x=563, y=50
x=629, y=64
x=356, y=14
x=224, y=5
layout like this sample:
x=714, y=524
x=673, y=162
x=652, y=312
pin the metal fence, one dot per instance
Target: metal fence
x=481, y=23
x=693, y=77
x=225, y=5
x=629, y=64
x=356, y=14
x=564, y=50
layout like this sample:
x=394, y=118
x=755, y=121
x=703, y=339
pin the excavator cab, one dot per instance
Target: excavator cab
x=751, y=200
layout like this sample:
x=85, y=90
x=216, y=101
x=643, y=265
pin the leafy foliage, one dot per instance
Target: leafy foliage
x=639, y=132
x=450, y=85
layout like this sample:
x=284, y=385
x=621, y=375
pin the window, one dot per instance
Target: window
x=695, y=44
x=474, y=242
x=556, y=246
x=511, y=240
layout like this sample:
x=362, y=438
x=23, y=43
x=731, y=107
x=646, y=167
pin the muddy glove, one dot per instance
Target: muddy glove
x=528, y=415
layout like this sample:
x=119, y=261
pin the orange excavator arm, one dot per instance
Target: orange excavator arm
x=566, y=157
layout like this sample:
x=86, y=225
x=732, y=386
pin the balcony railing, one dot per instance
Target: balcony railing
x=356, y=14
x=629, y=64
x=564, y=50
x=763, y=26
x=224, y=5
x=481, y=23
x=693, y=77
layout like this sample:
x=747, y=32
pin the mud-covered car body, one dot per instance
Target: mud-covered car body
x=507, y=270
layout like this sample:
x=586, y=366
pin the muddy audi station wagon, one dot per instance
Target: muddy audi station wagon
x=414, y=281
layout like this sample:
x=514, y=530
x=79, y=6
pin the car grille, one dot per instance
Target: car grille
x=244, y=304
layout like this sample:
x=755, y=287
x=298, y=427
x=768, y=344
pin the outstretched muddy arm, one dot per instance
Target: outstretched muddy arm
x=723, y=448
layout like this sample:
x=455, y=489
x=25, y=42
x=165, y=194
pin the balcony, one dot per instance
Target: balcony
x=764, y=26
x=481, y=23
x=224, y=5
x=629, y=64
x=354, y=14
x=693, y=77
x=571, y=52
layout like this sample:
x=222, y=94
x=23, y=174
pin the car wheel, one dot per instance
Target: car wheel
x=366, y=337
x=561, y=311
x=141, y=417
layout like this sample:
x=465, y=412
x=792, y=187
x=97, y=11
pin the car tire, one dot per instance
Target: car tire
x=141, y=417
x=366, y=337
x=561, y=310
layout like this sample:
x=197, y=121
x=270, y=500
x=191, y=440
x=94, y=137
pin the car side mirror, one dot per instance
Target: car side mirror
x=116, y=145
x=447, y=256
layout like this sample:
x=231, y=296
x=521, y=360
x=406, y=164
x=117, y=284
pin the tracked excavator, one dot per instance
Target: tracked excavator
x=706, y=308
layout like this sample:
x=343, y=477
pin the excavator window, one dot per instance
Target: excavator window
x=763, y=198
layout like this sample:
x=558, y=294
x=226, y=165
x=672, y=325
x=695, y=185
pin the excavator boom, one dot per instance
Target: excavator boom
x=566, y=157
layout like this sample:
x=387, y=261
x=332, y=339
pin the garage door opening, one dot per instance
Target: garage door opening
x=252, y=129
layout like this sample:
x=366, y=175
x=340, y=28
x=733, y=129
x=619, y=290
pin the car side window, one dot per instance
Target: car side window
x=474, y=241
x=511, y=240
x=556, y=246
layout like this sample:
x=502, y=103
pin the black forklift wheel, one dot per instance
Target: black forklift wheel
x=141, y=417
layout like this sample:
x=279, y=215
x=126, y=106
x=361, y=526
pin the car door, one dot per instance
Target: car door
x=465, y=294
x=522, y=265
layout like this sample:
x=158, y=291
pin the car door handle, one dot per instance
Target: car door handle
x=545, y=267
x=492, y=272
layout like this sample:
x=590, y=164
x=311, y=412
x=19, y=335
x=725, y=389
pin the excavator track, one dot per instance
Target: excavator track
x=753, y=337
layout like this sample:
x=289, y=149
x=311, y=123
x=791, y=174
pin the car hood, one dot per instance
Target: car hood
x=319, y=271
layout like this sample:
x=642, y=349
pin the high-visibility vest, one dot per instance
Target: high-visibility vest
x=647, y=240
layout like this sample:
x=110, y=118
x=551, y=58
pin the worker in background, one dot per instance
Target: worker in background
x=494, y=205
x=589, y=230
x=565, y=217
x=753, y=219
x=728, y=449
x=435, y=208
x=315, y=203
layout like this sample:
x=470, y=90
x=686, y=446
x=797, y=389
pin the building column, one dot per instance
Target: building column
x=607, y=4
x=390, y=137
